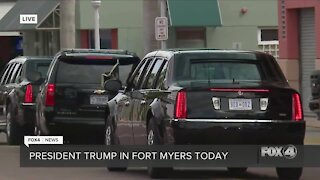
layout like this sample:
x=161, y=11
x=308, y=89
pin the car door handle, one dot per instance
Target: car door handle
x=127, y=103
x=143, y=102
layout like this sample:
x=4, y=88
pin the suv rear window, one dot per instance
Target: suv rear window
x=82, y=71
x=40, y=66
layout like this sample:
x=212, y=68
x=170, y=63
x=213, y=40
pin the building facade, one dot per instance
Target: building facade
x=299, y=41
x=245, y=24
x=10, y=41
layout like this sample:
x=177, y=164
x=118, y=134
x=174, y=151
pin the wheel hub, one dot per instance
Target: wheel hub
x=8, y=124
x=108, y=135
x=150, y=137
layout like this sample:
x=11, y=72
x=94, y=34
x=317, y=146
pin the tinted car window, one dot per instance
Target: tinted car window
x=218, y=68
x=152, y=75
x=15, y=72
x=18, y=77
x=82, y=71
x=160, y=81
x=40, y=66
x=124, y=71
x=10, y=73
x=5, y=74
x=203, y=70
x=140, y=72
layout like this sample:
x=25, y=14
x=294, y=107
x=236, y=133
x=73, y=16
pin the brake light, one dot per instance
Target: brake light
x=28, y=95
x=50, y=95
x=181, y=105
x=242, y=90
x=99, y=57
x=296, y=107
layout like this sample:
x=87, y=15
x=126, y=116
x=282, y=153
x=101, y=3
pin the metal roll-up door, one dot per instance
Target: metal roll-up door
x=308, y=54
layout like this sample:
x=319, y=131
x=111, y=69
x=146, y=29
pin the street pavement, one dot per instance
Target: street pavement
x=10, y=167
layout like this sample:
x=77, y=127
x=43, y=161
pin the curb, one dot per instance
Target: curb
x=312, y=122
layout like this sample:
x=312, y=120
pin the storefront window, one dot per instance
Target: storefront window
x=105, y=39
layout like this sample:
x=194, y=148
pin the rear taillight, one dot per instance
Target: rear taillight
x=50, y=95
x=296, y=107
x=28, y=95
x=181, y=105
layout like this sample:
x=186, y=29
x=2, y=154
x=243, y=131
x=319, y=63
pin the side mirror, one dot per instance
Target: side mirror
x=34, y=76
x=113, y=85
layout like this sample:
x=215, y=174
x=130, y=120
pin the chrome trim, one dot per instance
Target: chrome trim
x=28, y=104
x=3, y=123
x=235, y=120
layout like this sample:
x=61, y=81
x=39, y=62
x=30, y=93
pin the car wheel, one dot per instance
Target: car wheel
x=13, y=131
x=289, y=173
x=237, y=171
x=154, y=138
x=109, y=139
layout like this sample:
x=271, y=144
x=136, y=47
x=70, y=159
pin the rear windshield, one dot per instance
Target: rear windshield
x=197, y=68
x=81, y=72
x=216, y=71
x=84, y=71
x=40, y=66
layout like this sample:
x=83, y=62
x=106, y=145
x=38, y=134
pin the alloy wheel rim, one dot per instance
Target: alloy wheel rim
x=108, y=135
x=150, y=137
x=8, y=124
x=37, y=131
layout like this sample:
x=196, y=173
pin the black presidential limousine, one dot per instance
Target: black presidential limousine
x=206, y=97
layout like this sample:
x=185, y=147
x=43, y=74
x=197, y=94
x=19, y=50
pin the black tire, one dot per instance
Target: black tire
x=13, y=130
x=156, y=140
x=238, y=170
x=109, y=139
x=289, y=173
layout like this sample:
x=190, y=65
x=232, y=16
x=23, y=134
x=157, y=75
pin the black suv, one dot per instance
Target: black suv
x=206, y=97
x=72, y=100
x=20, y=81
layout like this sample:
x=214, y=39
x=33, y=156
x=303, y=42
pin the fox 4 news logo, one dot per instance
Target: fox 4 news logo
x=289, y=151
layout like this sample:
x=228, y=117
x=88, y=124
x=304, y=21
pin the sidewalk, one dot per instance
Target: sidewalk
x=312, y=122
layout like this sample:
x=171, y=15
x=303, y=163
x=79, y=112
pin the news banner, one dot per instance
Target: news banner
x=49, y=151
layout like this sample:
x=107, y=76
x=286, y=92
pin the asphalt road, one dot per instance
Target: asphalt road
x=10, y=169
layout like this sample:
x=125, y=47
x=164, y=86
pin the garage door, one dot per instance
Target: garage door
x=308, y=54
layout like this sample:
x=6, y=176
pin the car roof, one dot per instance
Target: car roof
x=171, y=52
x=23, y=59
x=109, y=52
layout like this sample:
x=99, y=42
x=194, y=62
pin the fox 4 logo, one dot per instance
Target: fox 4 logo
x=288, y=151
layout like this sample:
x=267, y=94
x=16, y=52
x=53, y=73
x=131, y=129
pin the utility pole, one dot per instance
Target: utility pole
x=67, y=23
x=163, y=13
x=150, y=12
x=96, y=4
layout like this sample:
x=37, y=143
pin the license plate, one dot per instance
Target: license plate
x=98, y=100
x=240, y=104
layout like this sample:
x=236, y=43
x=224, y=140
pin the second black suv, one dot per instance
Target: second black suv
x=72, y=100
x=20, y=82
